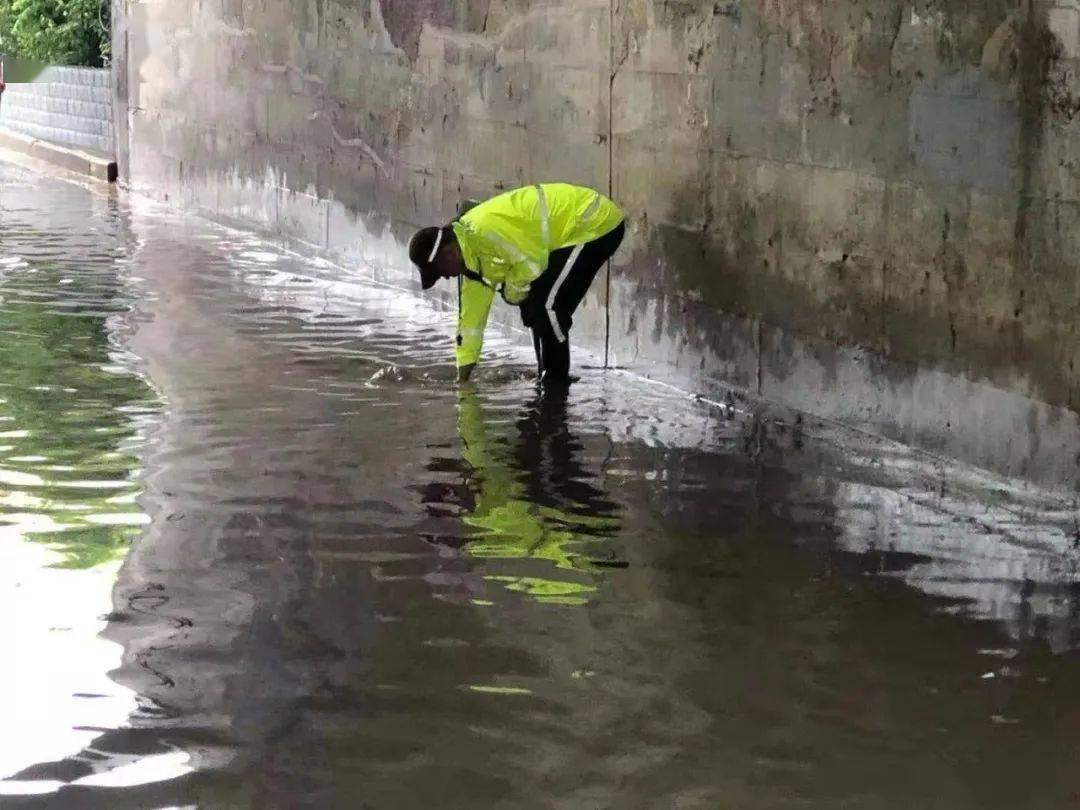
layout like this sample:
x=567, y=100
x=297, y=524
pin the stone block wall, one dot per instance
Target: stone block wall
x=65, y=105
x=862, y=208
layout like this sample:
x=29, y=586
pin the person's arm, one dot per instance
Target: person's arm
x=523, y=259
x=472, y=318
x=514, y=293
x=523, y=268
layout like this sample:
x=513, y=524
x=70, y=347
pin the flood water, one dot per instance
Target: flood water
x=258, y=550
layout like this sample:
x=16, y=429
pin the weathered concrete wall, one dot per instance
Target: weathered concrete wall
x=863, y=208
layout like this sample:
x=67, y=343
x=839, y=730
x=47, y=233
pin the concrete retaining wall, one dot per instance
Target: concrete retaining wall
x=865, y=209
x=68, y=106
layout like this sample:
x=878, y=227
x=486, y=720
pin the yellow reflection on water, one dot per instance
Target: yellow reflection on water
x=489, y=689
x=510, y=523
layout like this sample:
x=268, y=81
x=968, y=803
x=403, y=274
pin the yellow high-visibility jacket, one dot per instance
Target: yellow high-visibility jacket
x=506, y=241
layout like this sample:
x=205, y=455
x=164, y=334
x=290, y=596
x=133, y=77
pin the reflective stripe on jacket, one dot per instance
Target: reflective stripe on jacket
x=506, y=241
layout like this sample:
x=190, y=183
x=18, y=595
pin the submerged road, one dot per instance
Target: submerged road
x=258, y=550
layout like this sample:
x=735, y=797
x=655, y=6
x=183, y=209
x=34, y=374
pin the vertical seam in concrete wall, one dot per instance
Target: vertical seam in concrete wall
x=760, y=335
x=127, y=99
x=883, y=304
x=610, y=173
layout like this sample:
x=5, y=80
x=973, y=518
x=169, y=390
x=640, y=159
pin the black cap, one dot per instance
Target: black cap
x=423, y=248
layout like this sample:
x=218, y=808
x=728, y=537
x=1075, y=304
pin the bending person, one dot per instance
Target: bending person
x=540, y=247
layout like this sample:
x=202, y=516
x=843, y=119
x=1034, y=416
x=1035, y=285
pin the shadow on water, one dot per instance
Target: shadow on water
x=356, y=586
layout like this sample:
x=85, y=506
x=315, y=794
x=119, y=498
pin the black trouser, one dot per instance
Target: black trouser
x=549, y=308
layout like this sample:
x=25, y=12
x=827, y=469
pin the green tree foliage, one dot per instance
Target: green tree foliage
x=62, y=32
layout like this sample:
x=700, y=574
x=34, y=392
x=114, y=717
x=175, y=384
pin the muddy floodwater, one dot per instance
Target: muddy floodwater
x=258, y=551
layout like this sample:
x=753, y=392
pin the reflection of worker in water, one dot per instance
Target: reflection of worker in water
x=539, y=247
x=515, y=494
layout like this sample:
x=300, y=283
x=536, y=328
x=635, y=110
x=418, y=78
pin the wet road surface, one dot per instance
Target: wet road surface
x=258, y=550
